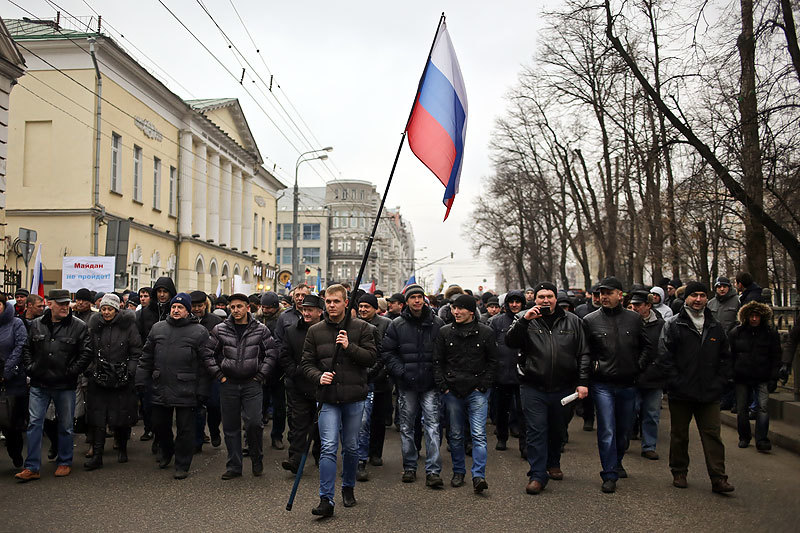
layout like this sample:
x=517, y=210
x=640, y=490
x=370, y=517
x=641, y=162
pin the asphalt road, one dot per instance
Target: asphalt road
x=137, y=496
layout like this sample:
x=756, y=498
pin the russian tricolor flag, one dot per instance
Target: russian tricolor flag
x=37, y=284
x=438, y=124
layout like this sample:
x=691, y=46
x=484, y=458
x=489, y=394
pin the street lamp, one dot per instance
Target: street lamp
x=295, y=229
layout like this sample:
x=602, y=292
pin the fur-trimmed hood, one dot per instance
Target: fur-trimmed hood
x=755, y=307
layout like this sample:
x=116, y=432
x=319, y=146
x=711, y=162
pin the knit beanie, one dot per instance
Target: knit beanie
x=183, y=299
x=465, y=301
x=695, y=286
x=111, y=300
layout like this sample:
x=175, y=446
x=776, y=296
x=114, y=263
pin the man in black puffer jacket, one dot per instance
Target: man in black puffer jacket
x=464, y=365
x=619, y=349
x=694, y=355
x=407, y=352
x=300, y=391
x=211, y=411
x=554, y=350
x=58, y=350
x=172, y=358
x=506, y=385
x=342, y=392
x=241, y=355
x=756, y=351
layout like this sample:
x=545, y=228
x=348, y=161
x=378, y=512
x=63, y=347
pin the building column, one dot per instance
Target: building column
x=185, y=173
x=199, y=211
x=225, y=203
x=236, y=209
x=247, y=215
x=213, y=197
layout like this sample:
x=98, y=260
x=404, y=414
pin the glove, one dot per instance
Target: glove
x=772, y=385
x=783, y=373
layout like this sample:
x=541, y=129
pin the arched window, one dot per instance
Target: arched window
x=200, y=270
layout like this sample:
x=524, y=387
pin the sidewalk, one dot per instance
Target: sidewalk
x=784, y=429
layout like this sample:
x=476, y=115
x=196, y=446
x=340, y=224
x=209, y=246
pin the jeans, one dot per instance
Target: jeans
x=39, y=400
x=344, y=418
x=237, y=399
x=614, y=406
x=648, y=405
x=364, y=431
x=475, y=406
x=762, y=415
x=409, y=403
x=545, y=420
x=706, y=416
x=182, y=443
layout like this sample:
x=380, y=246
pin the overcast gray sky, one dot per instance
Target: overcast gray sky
x=351, y=69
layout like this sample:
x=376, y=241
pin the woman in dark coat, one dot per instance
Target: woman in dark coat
x=12, y=378
x=112, y=398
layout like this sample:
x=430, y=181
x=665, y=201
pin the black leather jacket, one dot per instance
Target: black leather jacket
x=290, y=358
x=56, y=354
x=618, y=345
x=464, y=358
x=551, y=359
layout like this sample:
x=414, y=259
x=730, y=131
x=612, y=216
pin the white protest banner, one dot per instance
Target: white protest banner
x=94, y=273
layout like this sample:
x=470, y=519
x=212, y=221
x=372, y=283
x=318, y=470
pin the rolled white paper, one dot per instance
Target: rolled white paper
x=571, y=398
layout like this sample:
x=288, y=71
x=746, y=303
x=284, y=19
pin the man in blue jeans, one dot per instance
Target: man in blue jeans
x=58, y=350
x=407, y=352
x=554, y=351
x=342, y=403
x=619, y=348
x=464, y=364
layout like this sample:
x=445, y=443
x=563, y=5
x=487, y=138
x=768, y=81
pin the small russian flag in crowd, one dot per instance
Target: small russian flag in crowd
x=37, y=284
x=438, y=124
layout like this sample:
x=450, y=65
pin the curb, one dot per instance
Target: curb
x=780, y=434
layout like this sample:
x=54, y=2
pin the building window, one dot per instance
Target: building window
x=285, y=232
x=362, y=195
x=270, y=236
x=116, y=166
x=255, y=231
x=336, y=219
x=156, y=183
x=173, y=189
x=344, y=194
x=134, y=282
x=310, y=256
x=264, y=233
x=353, y=220
x=137, y=174
x=311, y=232
x=284, y=256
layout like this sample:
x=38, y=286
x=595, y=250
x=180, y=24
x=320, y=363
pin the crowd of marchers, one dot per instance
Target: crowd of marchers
x=438, y=367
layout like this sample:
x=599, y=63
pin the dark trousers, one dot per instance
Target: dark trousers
x=508, y=403
x=381, y=403
x=275, y=395
x=146, y=406
x=19, y=424
x=210, y=413
x=588, y=408
x=544, y=417
x=706, y=416
x=237, y=400
x=181, y=445
x=98, y=435
x=302, y=412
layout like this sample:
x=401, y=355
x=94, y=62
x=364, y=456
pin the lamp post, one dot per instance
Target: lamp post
x=295, y=229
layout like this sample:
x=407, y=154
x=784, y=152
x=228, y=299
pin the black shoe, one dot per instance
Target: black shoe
x=501, y=445
x=216, y=440
x=457, y=480
x=621, y=473
x=94, y=463
x=763, y=445
x=258, y=468
x=290, y=465
x=52, y=453
x=277, y=444
x=361, y=472
x=147, y=435
x=588, y=425
x=744, y=443
x=376, y=461
x=434, y=481
x=524, y=454
x=164, y=462
x=154, y=447
x=245, y=452
x=122, y=454
x=514, y=432
x=230, y=475
x=181, y=474
x=325, y=508
x=609, y=486
x=409, y=476
x=348, y=497
x=479, y=485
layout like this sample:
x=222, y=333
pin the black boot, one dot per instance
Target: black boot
x=325, y=507
x=97, y=459
x=348, y=497
x=122, y=453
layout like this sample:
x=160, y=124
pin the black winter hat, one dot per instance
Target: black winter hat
x=722, y=280
x=183, y=299
x=133, y=298
x=415, y=289
x=545, y=286
x=611, y=283
x=695, y=286
x=312, y=300
x=494, y=300
x=198, y=297
x=397, y=297
x=369, y=299
x=239, y=296
x=464, y=301
x=270, y=299
x=85, y=295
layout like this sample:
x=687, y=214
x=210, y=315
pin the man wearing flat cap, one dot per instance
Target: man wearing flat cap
x=394, y=305
x=57, y=352
x=694, y=354
x=619, y=348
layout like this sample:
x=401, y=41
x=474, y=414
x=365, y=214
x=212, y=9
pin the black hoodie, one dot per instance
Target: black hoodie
x=155, y=312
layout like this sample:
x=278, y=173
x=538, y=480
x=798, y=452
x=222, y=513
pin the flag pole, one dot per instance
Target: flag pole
x=352, y=304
